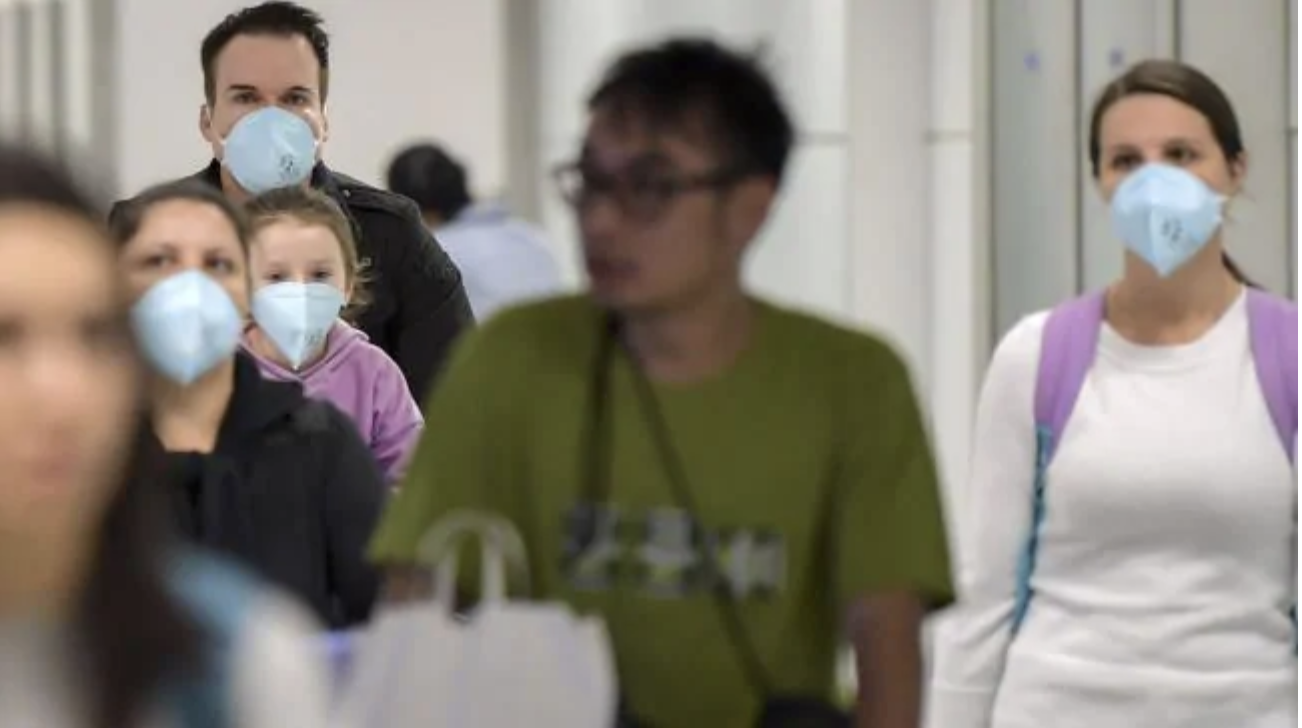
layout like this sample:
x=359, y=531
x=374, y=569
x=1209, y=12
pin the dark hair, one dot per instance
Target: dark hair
x=311, y=207
x=686, y=82
x=277, y=18
x=133, y=635
x=1189, y=86
x=432, y=178
x=127, y=217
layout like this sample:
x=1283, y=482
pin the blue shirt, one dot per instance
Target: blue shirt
x=504, y=261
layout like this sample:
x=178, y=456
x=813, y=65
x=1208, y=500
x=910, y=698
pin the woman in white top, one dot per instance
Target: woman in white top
x=1158, y=587
x=103, y=622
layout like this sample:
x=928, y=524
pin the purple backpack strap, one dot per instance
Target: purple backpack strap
x=1068, y=349
x=1273, y=324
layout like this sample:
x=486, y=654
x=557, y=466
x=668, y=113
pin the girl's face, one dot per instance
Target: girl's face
x=289, y=250
x=72, y=383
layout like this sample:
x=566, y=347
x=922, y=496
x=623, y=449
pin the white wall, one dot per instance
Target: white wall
x=400, y=71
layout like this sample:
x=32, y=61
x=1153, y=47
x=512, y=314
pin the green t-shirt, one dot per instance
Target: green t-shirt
x=807, y=459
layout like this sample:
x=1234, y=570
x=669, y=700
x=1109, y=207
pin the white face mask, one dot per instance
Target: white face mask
x=270, y=149
x=297, y=317
x=187, y=325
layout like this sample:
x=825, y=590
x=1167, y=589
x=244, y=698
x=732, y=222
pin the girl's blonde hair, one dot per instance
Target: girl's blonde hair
x=310, y=207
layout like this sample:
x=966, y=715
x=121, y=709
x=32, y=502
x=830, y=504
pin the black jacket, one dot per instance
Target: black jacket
x=291, y=491
x=419, y=304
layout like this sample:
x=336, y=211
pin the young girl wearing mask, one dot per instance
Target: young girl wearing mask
x=1127, y=548
x=305, y=276
x=257, y=470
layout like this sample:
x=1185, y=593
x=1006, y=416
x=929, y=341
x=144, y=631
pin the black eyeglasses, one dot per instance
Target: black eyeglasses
x=643, y=192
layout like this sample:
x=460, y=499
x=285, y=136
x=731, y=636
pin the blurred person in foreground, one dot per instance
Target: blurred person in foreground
x=105, y=621
x=266, y=73
x=503, y=260
x=734, y=486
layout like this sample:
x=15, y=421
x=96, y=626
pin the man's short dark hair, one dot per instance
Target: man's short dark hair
x=277, y=18
x=432, y=178
x=688, y=82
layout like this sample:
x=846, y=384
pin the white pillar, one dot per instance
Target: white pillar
x=959, y=233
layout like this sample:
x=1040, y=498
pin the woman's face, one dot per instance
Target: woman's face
x=71, y=382
x=1146, y=128
x=288, y=250
x=182, y=235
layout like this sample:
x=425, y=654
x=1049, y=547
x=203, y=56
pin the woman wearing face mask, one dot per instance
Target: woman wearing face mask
x=280, y=481
x=1128, y=538
x=103, y=619
x=305, y=273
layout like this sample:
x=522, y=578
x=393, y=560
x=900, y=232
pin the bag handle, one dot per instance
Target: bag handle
x=501, y=547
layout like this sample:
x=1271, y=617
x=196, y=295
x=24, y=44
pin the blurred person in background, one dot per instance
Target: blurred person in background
x=503, y=260
x=307, y=287
x=733, y=485
x=1144, y=573
x=266, y=72
x=105, y=621
x=257, y=470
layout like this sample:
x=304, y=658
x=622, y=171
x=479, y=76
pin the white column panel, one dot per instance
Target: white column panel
x=890, y=61
x=78, y=83
x=41, y=124
x=1114, y=35
x=959, y=233
x=1036, y=154
x=577, y=39
x=1244, y=47
x=803, y=256
x=10, y=69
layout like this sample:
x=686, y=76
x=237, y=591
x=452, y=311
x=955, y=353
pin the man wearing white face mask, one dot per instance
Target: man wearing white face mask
x=266, y=78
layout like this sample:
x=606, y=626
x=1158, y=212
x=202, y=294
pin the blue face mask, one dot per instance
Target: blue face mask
x=187, y=325
x=297, y=317
x=1165, y=215
x=269, y=149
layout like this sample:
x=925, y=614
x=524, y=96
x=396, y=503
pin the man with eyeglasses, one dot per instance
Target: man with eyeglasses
x=732, y=485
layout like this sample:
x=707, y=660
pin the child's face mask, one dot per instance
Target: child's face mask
x=297, y=317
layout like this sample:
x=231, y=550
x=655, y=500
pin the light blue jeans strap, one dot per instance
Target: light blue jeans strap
x=1026, y=565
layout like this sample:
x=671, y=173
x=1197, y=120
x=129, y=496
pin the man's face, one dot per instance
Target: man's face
x=664, y=223
x=256, y=71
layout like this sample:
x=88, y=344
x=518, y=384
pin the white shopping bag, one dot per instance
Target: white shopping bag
x=508, y=665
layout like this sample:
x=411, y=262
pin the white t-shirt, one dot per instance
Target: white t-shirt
x=279, y=680
x=1166, y=564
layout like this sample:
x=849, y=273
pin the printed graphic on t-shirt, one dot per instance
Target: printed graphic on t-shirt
x=664, y=552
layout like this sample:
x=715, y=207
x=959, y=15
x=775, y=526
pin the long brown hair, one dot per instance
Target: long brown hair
x=1189, y=86
x=132, y=634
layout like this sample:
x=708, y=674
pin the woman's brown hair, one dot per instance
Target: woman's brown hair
x=310, y=207
x=1189, y=86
